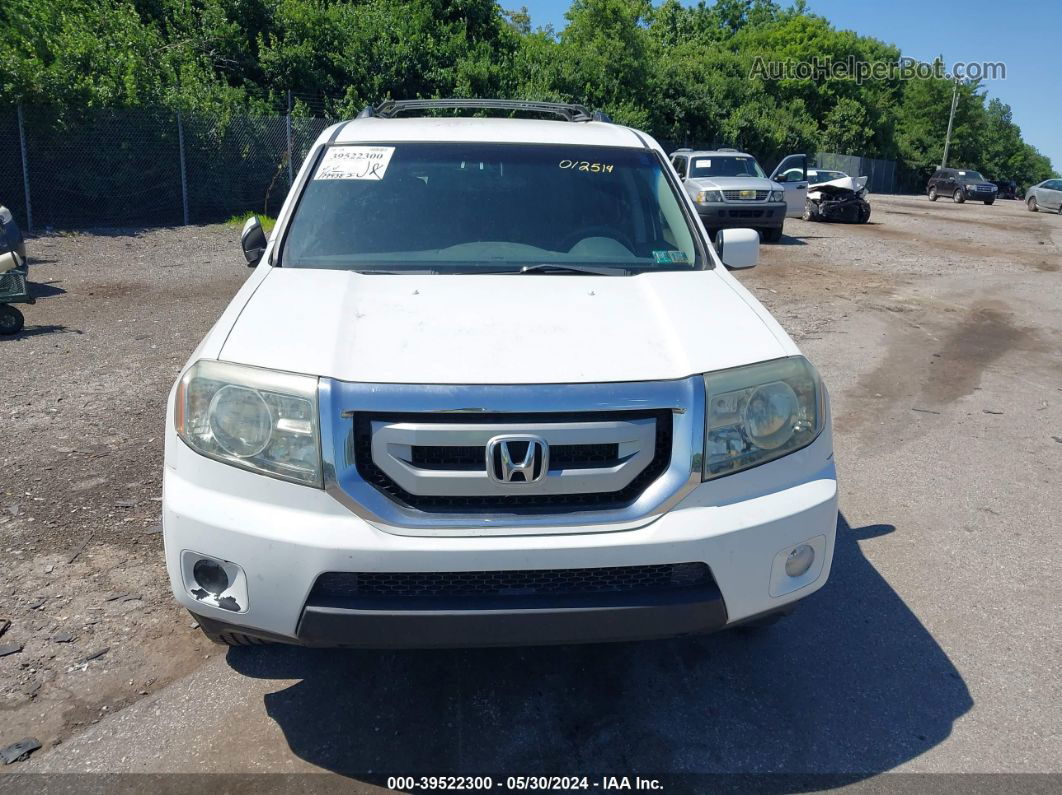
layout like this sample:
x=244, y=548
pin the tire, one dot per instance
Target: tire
x=772, y=235
x=11, y=320
x=864, y=215
x=1031, y=204
x=989, y=201
x=933, y=193
x=811, y=213
x=957, y=197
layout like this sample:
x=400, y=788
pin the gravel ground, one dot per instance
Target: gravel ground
x=82, y=397
x=933, y=648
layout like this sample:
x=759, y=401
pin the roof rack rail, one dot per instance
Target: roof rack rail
x=390, y=108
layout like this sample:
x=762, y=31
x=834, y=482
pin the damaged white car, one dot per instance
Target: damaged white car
x=835, y=196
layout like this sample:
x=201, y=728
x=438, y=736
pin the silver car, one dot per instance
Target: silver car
x=1045, y=196
x=730, y=189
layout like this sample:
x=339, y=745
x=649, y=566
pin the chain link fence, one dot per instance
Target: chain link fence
x=12, y=192
x=98, y=167
x=66, y=168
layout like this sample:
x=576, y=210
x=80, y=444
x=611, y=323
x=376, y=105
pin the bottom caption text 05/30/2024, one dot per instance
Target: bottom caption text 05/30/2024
x=522, y=783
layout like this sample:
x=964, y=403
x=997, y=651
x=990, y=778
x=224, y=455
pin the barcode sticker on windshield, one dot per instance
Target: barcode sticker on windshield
x=702, y=164
x=355, y=162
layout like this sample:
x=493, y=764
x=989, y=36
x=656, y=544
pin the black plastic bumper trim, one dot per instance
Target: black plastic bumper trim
x=665, y=616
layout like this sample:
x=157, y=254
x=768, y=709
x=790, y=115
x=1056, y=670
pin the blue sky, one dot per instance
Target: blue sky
x=1027, y=37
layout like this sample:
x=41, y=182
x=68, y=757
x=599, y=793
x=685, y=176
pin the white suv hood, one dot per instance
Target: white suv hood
x=501, y=329
x=735, y=183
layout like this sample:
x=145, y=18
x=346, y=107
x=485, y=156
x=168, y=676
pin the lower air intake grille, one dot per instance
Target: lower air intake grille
x=392, y=587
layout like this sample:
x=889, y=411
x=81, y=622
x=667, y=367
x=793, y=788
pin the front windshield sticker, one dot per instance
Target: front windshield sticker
x=585, y=165
x=703, y=164
x=662, y=257
x=355, y=162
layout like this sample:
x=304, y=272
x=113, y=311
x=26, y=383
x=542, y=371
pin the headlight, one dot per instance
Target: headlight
x=759, y=413
x=706, y=196
x=776, y=196
x=257, y=419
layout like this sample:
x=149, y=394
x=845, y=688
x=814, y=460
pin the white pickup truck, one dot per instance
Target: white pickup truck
x=490, y=383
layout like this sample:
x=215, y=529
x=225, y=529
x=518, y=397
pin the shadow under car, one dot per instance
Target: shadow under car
x=850, y=685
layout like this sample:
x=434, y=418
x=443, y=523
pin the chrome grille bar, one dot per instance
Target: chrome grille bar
x=393, y=443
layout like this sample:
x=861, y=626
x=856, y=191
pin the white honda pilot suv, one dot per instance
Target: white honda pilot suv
x=490, y=384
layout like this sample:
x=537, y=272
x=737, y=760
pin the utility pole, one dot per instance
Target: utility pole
x=951, y=120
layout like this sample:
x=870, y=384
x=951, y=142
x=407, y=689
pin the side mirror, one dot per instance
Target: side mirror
x=790, y=162
x=253, y=241
x=738, y=248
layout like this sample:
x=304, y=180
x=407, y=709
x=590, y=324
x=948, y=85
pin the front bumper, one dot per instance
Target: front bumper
x=284, y=536
x=754, y=215
x=979, y=195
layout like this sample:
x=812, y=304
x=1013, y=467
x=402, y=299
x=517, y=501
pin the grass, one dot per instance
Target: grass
x=267, y=222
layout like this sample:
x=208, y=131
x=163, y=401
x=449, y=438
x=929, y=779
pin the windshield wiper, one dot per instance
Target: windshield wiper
x=544, y=267
x=550, y=267
x=397, y=272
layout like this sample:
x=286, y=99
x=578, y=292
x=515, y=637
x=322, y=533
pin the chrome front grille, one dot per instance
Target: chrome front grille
x=425, y=460
x=385, y=445
x=745, y=195
x=461, y=481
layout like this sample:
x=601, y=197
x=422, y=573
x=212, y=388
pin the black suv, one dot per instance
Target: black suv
x=960, y=184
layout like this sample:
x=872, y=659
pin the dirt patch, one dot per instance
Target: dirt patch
x=984, y=335
x=1007, y=225
x=82, y=400
x=934, y=360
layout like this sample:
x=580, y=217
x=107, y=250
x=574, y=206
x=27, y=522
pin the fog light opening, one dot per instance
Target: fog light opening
x=211, y=576
x=799, y=560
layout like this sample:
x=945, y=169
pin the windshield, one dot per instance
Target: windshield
x=972, y=176
x=726, y=166
x=475, y=207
